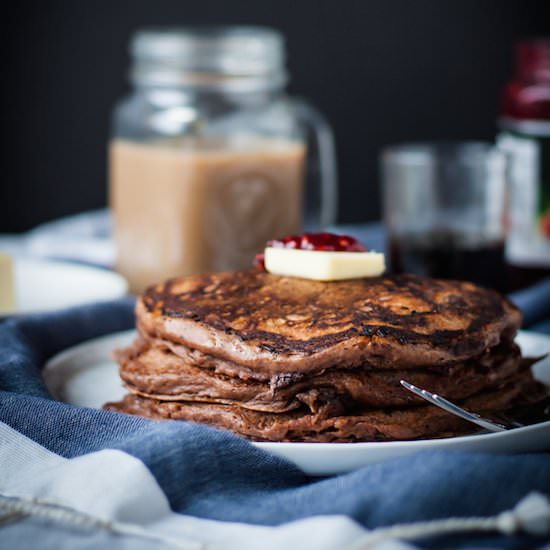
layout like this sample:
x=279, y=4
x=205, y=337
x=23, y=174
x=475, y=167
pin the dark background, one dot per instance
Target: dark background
x=383, y=71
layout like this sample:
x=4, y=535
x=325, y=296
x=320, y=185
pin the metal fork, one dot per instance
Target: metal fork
x=455, y=409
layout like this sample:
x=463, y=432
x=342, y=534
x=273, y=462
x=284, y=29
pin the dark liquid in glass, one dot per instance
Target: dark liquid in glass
x=521, y=277
x=448, y=255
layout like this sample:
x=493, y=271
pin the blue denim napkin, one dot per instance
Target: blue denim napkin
x=213, y=474
x=534, y=303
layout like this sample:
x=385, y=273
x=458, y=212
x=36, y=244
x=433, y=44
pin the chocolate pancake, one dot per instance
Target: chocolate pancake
x=274, y=324
x=329, y=424
x=152, y=370
x=286, y=359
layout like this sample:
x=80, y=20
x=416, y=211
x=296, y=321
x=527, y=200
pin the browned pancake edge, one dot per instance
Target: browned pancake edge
x=424, y=421
x=274, y=323
x=151, y=370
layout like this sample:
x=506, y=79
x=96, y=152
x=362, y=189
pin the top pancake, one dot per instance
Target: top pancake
x=287, y=324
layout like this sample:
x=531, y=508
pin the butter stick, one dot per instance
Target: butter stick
x=323, y=265
x=7, y=286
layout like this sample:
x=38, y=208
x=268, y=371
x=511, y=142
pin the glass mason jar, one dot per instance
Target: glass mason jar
x=209, y=157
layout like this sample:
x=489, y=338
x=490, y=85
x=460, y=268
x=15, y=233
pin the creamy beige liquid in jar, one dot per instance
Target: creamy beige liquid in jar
x=180, y=211
x=209, y=157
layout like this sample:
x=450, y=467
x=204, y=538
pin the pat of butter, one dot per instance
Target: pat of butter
x=321, y=265
x=7, y=288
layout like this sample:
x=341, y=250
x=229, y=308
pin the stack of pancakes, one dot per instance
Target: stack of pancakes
x=284, y=359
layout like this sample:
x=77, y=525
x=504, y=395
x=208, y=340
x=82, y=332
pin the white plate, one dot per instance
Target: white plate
x=87, y=376
x=43, y=285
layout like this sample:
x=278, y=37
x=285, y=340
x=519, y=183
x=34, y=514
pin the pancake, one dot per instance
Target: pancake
x=286, y=359
x=327, y=425
x=272, y=324
x=152, y=370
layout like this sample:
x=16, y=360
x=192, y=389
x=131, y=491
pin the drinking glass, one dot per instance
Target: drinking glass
x=444, y=210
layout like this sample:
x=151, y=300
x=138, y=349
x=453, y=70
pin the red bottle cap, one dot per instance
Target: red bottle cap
x=533, y=60
x=527, y=96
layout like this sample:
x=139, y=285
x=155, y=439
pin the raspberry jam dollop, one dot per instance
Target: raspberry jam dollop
x=330, y=242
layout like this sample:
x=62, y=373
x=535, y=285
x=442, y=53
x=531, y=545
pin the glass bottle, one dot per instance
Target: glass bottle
x=525, y=136
x=209, y=156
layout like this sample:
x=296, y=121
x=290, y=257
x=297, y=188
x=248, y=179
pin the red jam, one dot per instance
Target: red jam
x=330, y=242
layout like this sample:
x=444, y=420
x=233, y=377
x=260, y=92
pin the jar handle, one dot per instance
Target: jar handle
x=321, y=147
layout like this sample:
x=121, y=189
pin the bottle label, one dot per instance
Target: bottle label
x=528, y=239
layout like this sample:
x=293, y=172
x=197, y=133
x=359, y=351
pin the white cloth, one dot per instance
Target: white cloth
x=117, y=489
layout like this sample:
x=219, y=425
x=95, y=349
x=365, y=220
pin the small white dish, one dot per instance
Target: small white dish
x=86, y=375
x=44, y=285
